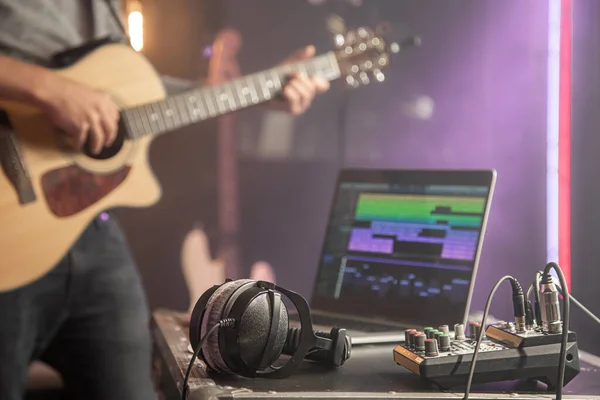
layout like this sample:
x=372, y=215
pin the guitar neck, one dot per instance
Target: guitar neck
x=201, y=104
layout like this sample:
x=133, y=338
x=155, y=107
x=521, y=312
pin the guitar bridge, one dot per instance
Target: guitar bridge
x=13, y=166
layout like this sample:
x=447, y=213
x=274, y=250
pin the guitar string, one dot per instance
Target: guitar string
x=156, y=118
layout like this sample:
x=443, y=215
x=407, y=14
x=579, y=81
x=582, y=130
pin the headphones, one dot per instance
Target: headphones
x=257, y=332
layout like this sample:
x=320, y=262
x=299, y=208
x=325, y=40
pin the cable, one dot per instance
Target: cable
x=546, y=280
x=482, y=331
x=529, y=289
x=536, y=286
x=581, y=307
x=226, y=323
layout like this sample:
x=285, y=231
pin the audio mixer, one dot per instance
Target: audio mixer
x=444, y=358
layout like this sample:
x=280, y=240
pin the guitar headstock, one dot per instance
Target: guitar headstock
x=363, y=53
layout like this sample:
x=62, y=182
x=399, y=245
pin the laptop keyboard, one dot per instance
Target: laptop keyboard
x=352, y=325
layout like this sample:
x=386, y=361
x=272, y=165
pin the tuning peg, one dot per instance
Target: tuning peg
x=336, y=25
x=364, y=78
x=352, y=82
x=383, y=60
x=363, y=33
x=379, y=76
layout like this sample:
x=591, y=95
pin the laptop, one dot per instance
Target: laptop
x=401, y=250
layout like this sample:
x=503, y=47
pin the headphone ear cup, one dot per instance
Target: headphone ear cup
x=195, y=328
x=213, y=314
x=257, y=326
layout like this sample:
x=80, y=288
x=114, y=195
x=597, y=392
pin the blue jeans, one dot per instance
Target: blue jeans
x=88, y=318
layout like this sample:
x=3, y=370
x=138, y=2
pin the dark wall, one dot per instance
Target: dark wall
x=482, y=65
x=585, y=186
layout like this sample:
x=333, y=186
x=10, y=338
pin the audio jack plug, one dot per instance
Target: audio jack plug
x=530, y=322
x=549, y=305
x=518, y=306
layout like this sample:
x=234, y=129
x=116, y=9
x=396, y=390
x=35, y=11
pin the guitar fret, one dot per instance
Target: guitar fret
x=158, y=115
x=197, y=108
x=224, y=99
x=276, y=79
x=239, y=93
x=183, y=112
x=209, y=104
x=175, y=112
x=253, y=91
x=192, y=108
x=126, y=121
x=134, y=122
x=199, y=105
x=333, y=67
x=147, y=109
x=231, y=98
x=214, y=97
x=142, y=120
x=168, y=116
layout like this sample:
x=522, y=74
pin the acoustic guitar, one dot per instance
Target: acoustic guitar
x=49, y=192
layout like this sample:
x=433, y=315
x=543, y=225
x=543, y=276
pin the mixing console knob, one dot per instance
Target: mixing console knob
x=431, y=334
x=406, y=336
x=459, y=332
x=431, y=348
x=444, y=342
x=474, y=330
x=444, y=329
x=420, y=341
x=437, y=335
x=411, y=337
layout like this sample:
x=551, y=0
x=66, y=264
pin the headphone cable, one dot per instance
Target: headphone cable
x=515, y=286
x=226, y=323
x=578, y=304
x=566, y=306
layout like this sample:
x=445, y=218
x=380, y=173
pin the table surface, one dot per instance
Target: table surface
x=370, y=373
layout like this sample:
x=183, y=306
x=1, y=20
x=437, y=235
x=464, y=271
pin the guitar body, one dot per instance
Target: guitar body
x=71, y=188
x=49, y=193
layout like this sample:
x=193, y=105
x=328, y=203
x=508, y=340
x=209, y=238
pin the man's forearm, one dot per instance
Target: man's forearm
x=22, y=82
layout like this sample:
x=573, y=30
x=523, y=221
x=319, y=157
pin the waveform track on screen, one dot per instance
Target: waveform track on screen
x=442, y=226
x=406, y=285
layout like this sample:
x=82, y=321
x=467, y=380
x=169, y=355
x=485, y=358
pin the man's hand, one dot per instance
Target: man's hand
x=299, y=92
x=81, y=112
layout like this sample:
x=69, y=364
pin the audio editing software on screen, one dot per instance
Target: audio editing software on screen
x=412, y=246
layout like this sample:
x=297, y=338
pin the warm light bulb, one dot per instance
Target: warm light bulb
x=136, y=29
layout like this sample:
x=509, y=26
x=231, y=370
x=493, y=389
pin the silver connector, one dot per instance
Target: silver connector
x=520, y=324
x=550, y=308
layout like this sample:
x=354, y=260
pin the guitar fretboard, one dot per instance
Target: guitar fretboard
x=208, y=102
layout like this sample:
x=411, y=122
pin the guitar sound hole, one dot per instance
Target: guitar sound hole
x=107, y=152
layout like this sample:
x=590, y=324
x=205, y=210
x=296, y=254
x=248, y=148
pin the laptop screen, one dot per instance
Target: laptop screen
x=403, y=245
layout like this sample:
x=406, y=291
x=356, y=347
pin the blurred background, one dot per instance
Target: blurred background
x=481, y=92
